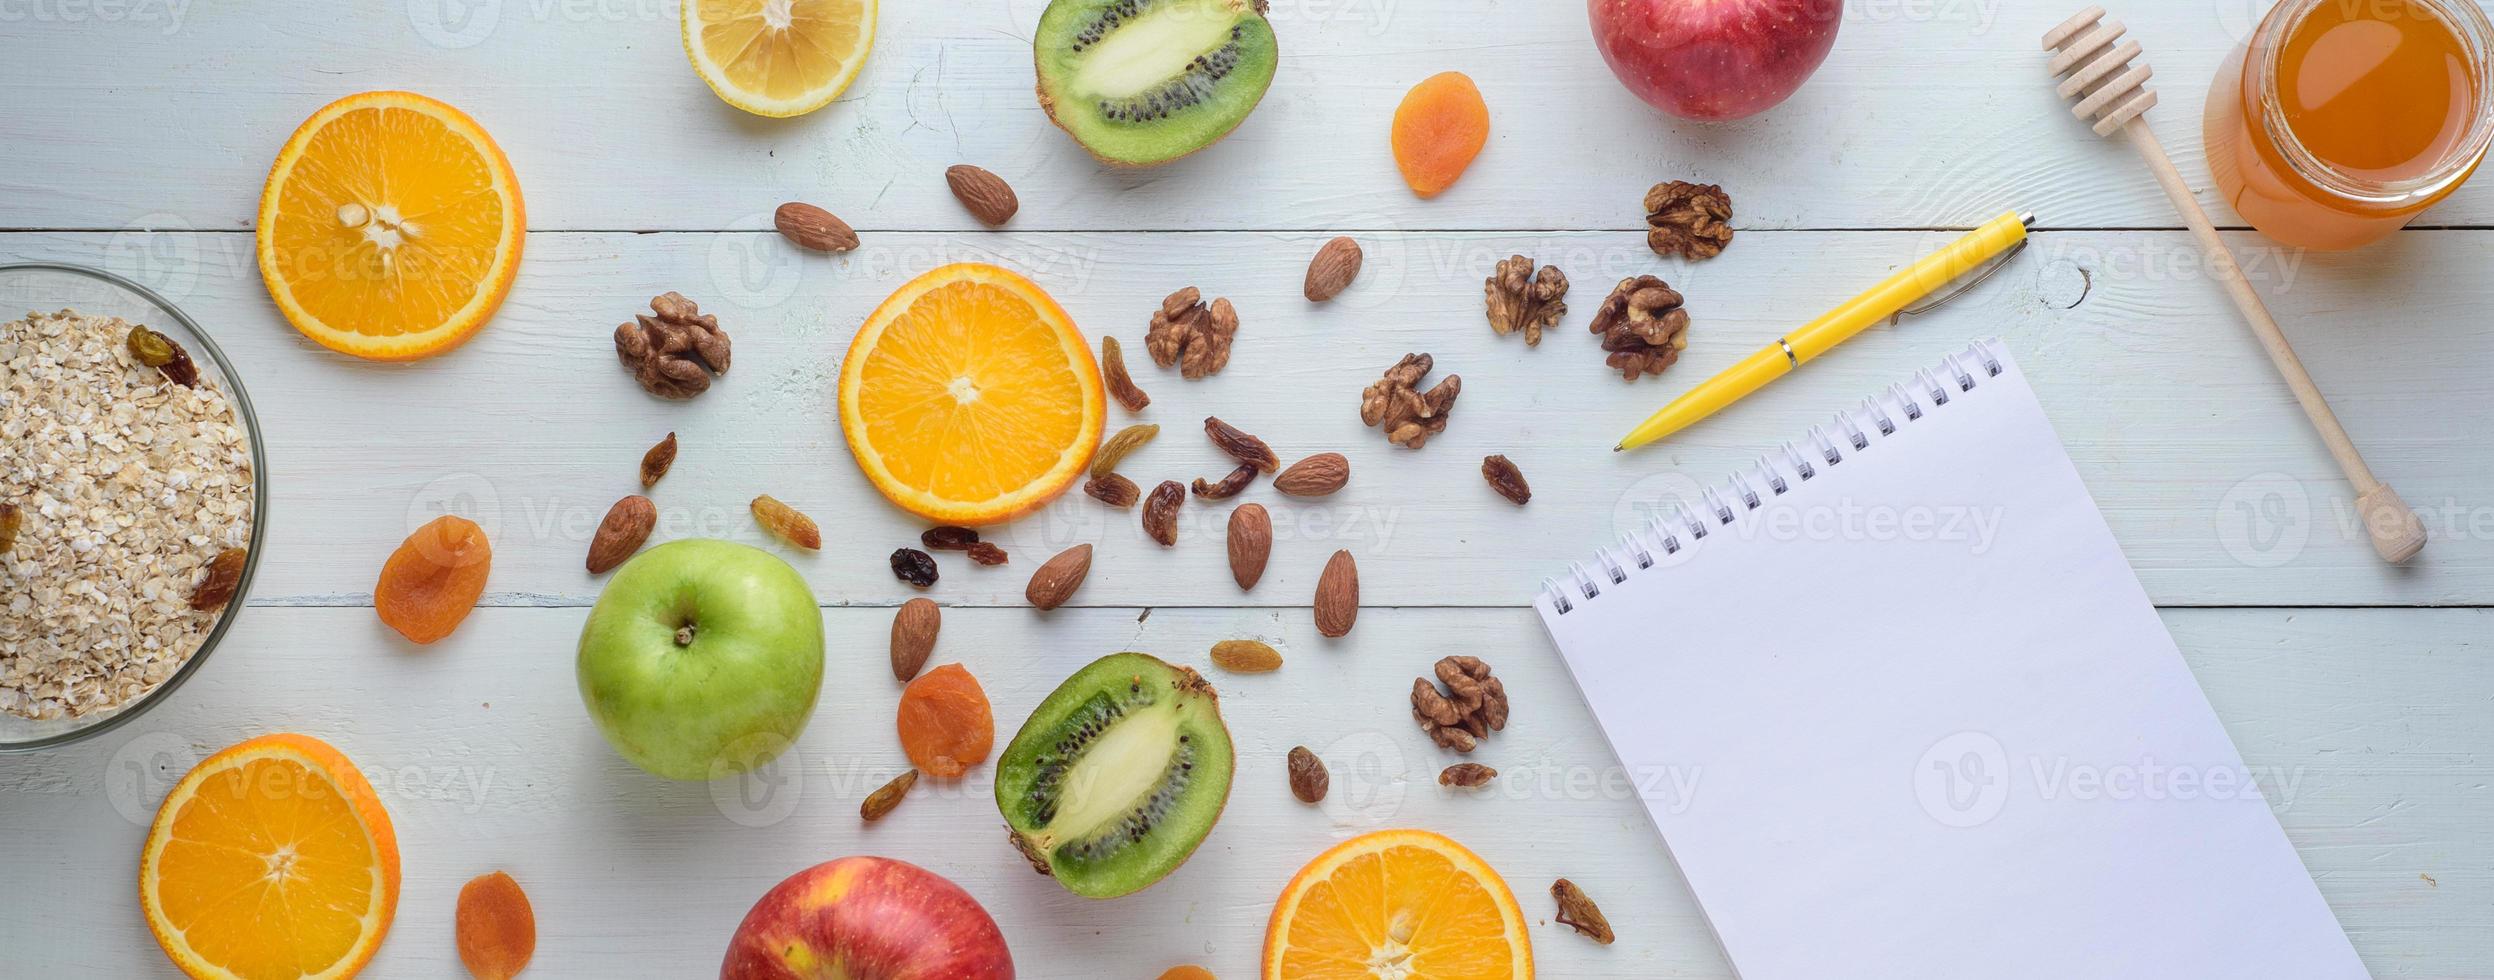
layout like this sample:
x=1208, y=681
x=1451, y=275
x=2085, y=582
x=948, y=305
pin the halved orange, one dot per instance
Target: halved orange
x=1397, y=904
x=272, y=858
x=969, y=397
x=390, y=227
x=778, y=57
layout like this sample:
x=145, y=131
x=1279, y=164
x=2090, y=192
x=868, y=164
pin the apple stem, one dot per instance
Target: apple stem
x=684, y=635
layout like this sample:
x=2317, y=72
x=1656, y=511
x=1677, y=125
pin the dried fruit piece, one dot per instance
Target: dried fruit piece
x=1195, y=337
x=986, y=553
x=1397, y=406
x=430, y=584
x=149, y=347
x=1056, y=581
x=1521, y=299
x=945, y=723
x=496, y=927
x=1187, y=972
x=11, y=519
x=1468, y=775
x=1229, y=486
x=1338, y=596
x=1308, y=779
x=1160, y=512
x=216, y=588
x=948, y=538
x=1576, y=911
x=1440, y=126
x=657, y=461
x=1120, y=446
x=786, y=523
x=1251, y=544
x=1241, y=446
x=986, y=196
x=1336, y=263
x=914, y=567
x=882, y=801
x=812, y=227
x=1113, y=490
x=1504, y=477
x=1692, y=221
x=1315, y=476
x=1246, y=656
x=626, y=526
x=914, y=629
x=1120, y=381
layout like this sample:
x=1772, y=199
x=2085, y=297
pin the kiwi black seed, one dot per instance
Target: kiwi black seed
x=1118, y=776
x=1178, y=76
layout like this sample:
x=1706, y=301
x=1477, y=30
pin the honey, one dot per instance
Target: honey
x=2339, y=121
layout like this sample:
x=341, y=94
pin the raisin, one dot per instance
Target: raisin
x=1576, y=911
x=1113, y=490
x=1241, y=446
x=10, y=520
x=223, y=578
x=1504, y=477
x=657, y=460
x=150, y=348
x=786, y=523
x=1308, y=779
x=1229, y=486
x=1467, y=775
x=1120, y=384
x=882, y=801
x=1120, y=446
x=1160, y=513
x=948, y=538
x=914, y=567
x=985, y=553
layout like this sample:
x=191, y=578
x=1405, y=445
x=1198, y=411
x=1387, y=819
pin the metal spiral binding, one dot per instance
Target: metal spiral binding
x=1680, y=525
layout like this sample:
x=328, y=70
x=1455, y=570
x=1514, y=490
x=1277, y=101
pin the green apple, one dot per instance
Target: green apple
x=702, y=658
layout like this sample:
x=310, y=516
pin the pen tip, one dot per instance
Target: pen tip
x=1621, y=448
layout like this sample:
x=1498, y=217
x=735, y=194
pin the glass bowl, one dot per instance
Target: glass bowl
x=51, y=286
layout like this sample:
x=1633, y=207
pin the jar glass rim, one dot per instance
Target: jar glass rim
x=2473, y=31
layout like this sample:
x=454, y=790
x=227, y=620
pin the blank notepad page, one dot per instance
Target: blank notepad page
x=1930, y=724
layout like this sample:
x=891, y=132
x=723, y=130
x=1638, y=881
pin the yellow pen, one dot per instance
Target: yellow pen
x=1837, y=326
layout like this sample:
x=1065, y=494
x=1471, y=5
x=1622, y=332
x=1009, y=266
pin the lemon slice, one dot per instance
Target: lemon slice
x=778, y=57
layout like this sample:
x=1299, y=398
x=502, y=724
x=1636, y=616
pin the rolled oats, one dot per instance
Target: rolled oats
x=128, y=485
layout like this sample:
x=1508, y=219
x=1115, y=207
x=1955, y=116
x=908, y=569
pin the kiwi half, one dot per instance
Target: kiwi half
x=1117, y=776
x=1140, y=82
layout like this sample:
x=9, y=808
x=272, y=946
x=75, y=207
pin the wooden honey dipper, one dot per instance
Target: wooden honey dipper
x=2113, y=93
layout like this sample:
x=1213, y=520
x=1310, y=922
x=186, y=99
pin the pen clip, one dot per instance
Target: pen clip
x=1995, y=265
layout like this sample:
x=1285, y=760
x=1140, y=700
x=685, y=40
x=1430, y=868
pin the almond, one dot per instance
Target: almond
x=986, y=195
x=1056, y=581
x=627, y=524
x=814, y=228
x=913, y=637
x=1315, y=476
x=1251, y=542
x=1335, y=265
x=1338, y=596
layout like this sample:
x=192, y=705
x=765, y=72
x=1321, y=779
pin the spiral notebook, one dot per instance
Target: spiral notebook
x=1900, y=709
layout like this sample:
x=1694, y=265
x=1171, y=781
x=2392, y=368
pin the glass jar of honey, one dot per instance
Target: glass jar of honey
x=2338, y=121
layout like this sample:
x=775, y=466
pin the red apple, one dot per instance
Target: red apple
x=867, y=918
x=1714, y=59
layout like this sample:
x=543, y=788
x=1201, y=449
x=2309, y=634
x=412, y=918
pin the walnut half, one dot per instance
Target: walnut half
x=1521, y=299
x=1193, y=336
x=674, y=353
x=1642, y=325
x=1408, y=415
x=1692, y=221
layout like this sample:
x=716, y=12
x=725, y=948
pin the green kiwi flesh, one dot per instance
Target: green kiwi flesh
x=1141, y=82
x=1117, y=776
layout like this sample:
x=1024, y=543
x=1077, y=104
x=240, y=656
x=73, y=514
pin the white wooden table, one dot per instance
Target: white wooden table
x=135, y=137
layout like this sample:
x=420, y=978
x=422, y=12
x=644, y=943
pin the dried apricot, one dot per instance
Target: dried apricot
x=1187, y=972
x=497, y=930
x=1441, y=125
x=433, y=580
x=945, y=723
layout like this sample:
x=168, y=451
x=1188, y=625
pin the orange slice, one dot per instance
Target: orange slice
x=1397, y=904
x=969, y=397
x=778, y=57
x=270, y=859
x=390, y=227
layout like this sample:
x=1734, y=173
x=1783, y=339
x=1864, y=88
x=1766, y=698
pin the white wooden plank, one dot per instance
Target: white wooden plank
x=2208, y=474
x=1927, y=113
x=2368, y=724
